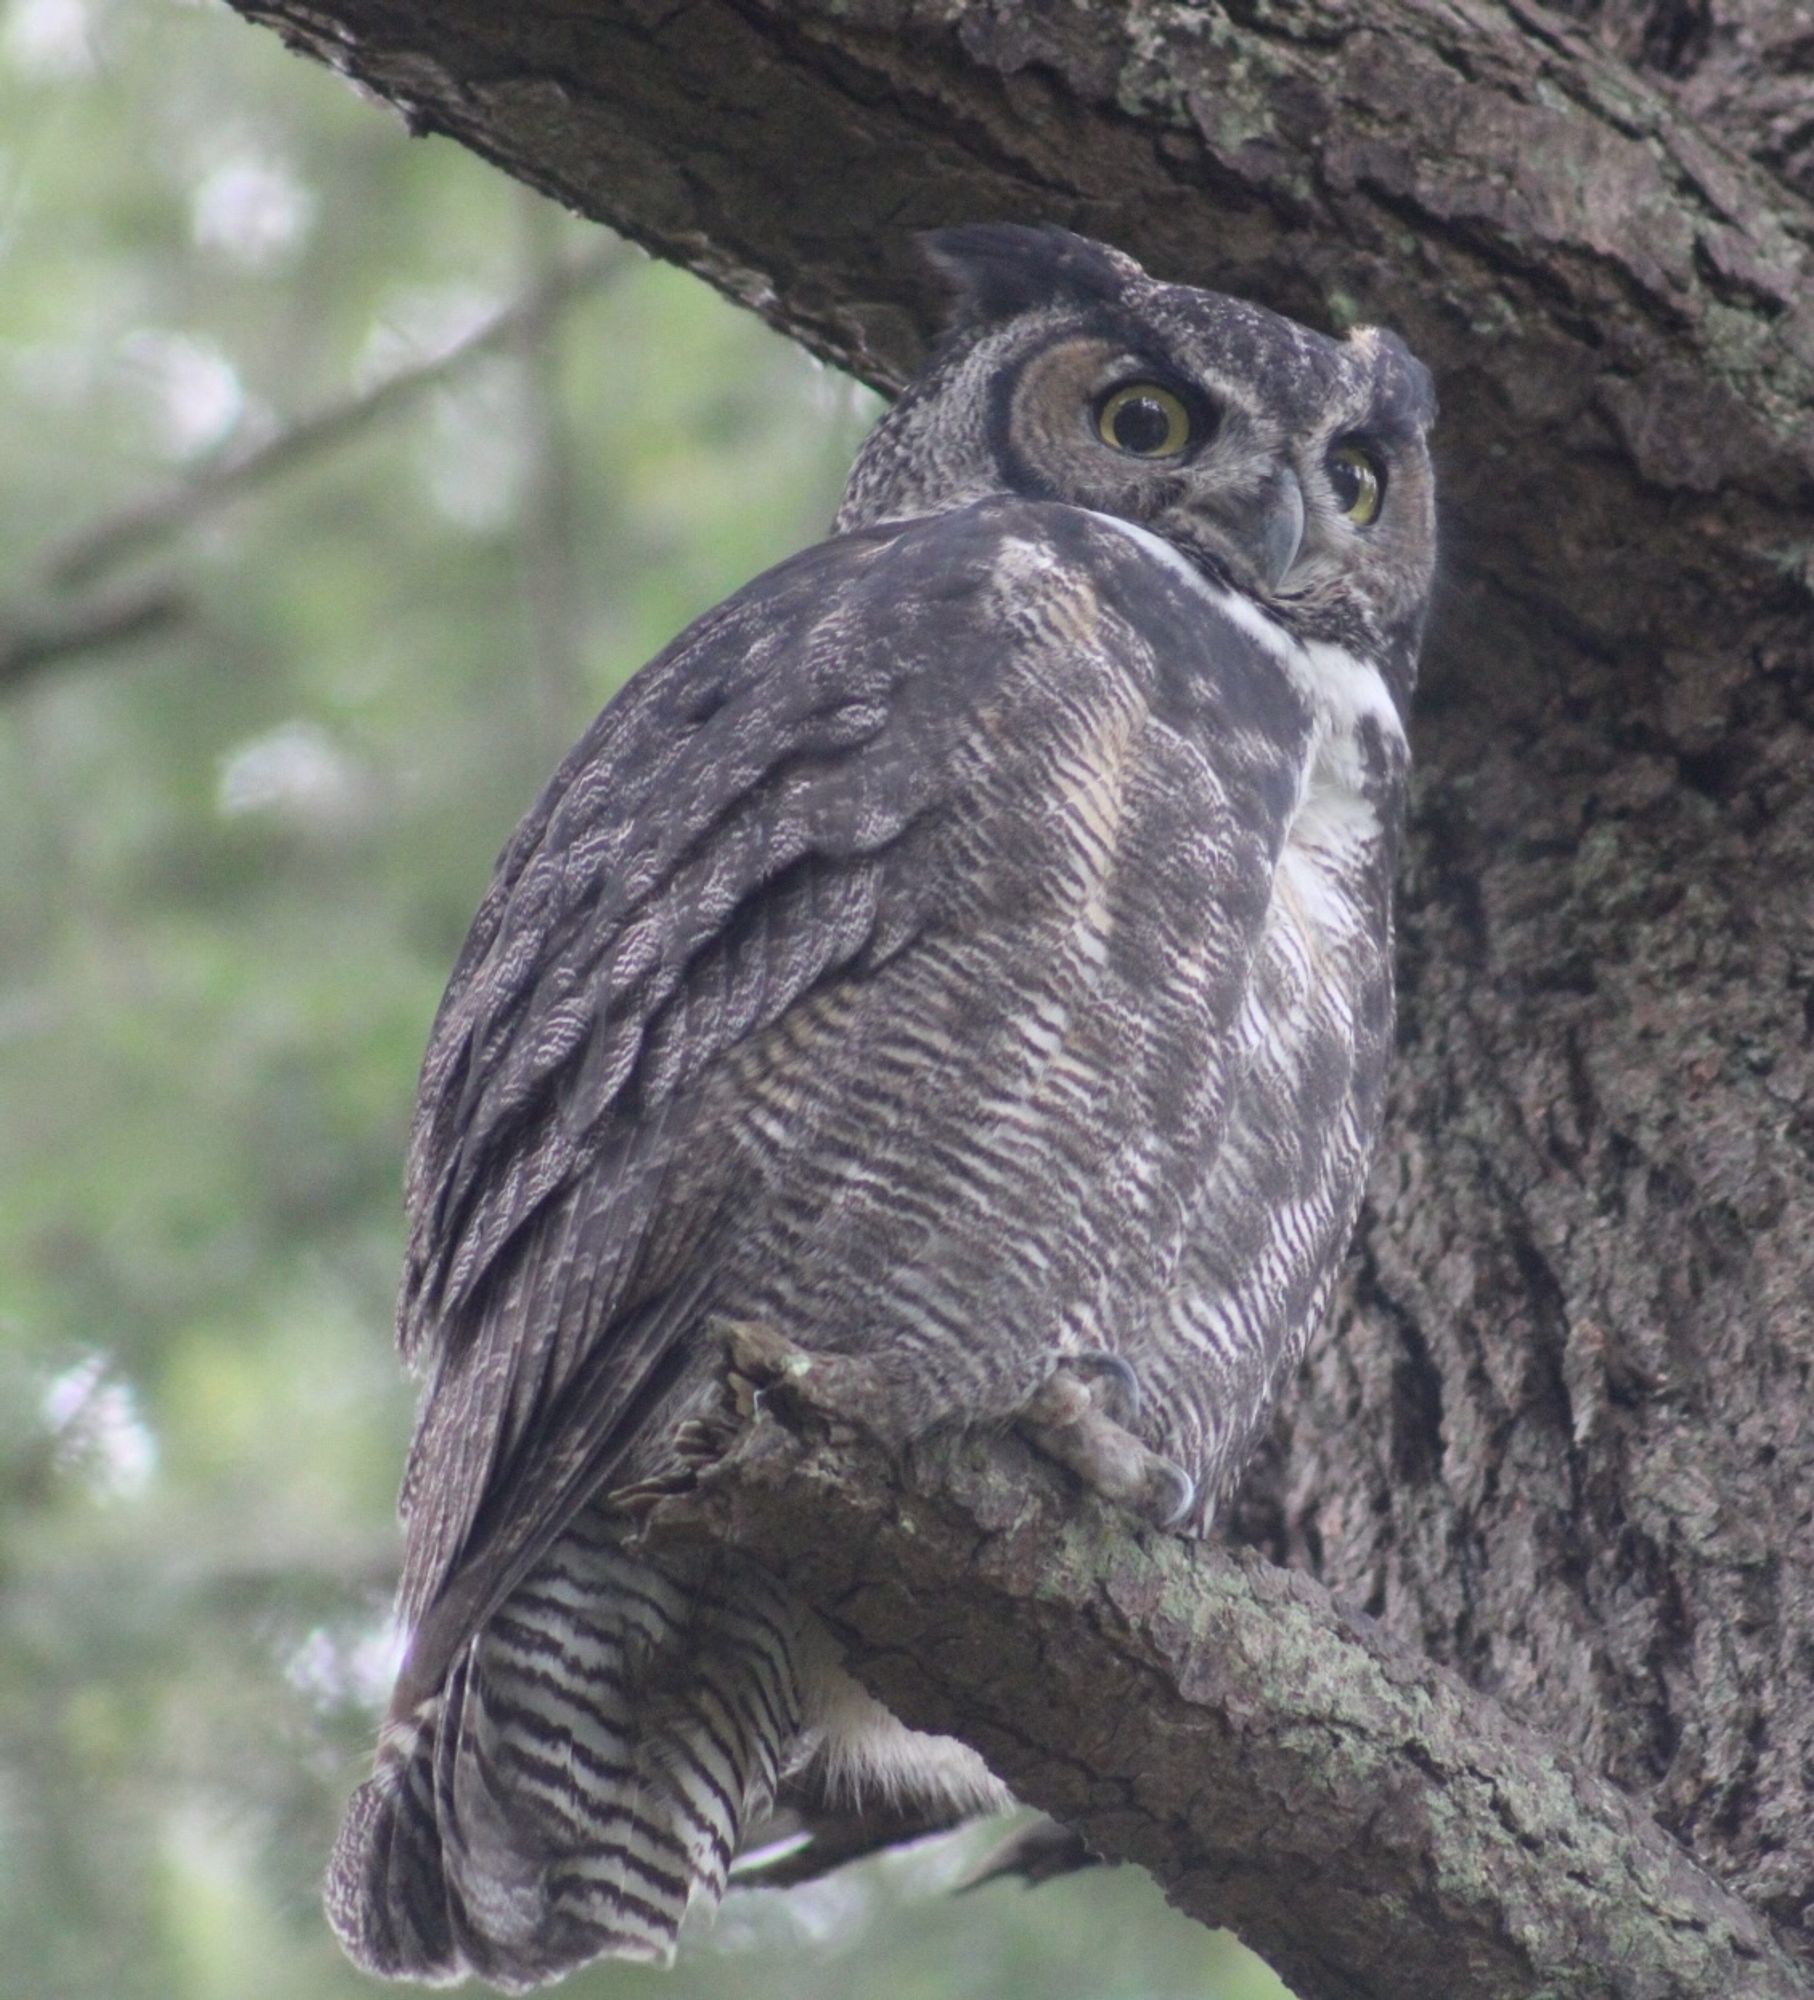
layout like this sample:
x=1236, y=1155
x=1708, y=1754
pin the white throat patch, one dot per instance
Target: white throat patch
x=1343, y=689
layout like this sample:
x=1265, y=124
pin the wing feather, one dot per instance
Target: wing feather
x=730, y=838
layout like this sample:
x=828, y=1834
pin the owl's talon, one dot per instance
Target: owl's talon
x=1118, y=1376
x=1064, y=1420
x=837, y=1389
x=759, y=1359
x=701, y=1440
x=638, y=1501
x=760, y=1353
x=1184, y=1493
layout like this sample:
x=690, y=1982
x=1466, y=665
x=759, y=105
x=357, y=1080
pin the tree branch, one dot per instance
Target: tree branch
x=145, y=524
x=1598, y=283
x=51, y=635
x=62, y=627
x=1366, y=1822
x=548, y=535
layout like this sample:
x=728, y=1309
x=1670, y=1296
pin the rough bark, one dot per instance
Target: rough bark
x=1558, y=1439
x=1743, y=68
x=1280, y=1764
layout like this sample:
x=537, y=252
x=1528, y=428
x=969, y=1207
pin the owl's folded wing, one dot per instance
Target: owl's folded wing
x=743, y=827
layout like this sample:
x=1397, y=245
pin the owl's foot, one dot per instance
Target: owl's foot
x=836, y=1387
x=1067, y=1418
x=1066, y=1421
x=696, y=1443
x=759, y=1359
x=1114, y=1380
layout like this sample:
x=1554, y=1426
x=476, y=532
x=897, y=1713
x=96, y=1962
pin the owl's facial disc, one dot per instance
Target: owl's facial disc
x=1286, y=466
x=1126, y=433
x=1252, y=529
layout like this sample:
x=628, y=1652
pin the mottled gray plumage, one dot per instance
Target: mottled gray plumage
x=968, y=949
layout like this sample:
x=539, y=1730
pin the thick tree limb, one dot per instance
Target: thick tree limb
x=1371, y=1826
x=1595, y=281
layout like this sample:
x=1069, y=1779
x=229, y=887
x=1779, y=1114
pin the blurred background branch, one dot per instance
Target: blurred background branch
x=549, y=532
x=58, y=634
x=60, y=626
x=146, y=525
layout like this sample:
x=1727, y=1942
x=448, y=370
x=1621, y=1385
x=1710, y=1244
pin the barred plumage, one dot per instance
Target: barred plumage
x=590, y=1767
x=967, y=949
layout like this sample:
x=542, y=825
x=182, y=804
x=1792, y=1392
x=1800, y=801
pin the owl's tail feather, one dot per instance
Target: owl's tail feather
x=584, y=1776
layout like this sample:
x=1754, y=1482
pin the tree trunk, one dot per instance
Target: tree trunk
x=1558, y=1439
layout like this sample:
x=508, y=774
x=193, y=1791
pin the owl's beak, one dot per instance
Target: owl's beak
x=1279, y=529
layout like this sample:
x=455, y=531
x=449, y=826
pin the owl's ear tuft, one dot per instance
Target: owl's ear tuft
x=1404, y=392
x=998, y=270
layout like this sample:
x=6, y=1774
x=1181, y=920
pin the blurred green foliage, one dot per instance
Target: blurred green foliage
x=240, y=857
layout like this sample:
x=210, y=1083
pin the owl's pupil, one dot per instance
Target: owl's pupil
x=1345, y=477
x=1141, y=425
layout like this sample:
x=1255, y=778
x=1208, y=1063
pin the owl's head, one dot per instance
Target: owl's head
x=1290, y=466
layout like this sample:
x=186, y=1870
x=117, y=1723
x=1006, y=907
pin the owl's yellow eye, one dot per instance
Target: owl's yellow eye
x=1359, y=481
x=1144, y=420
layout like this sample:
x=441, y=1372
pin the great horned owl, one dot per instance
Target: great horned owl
x=968, y=948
